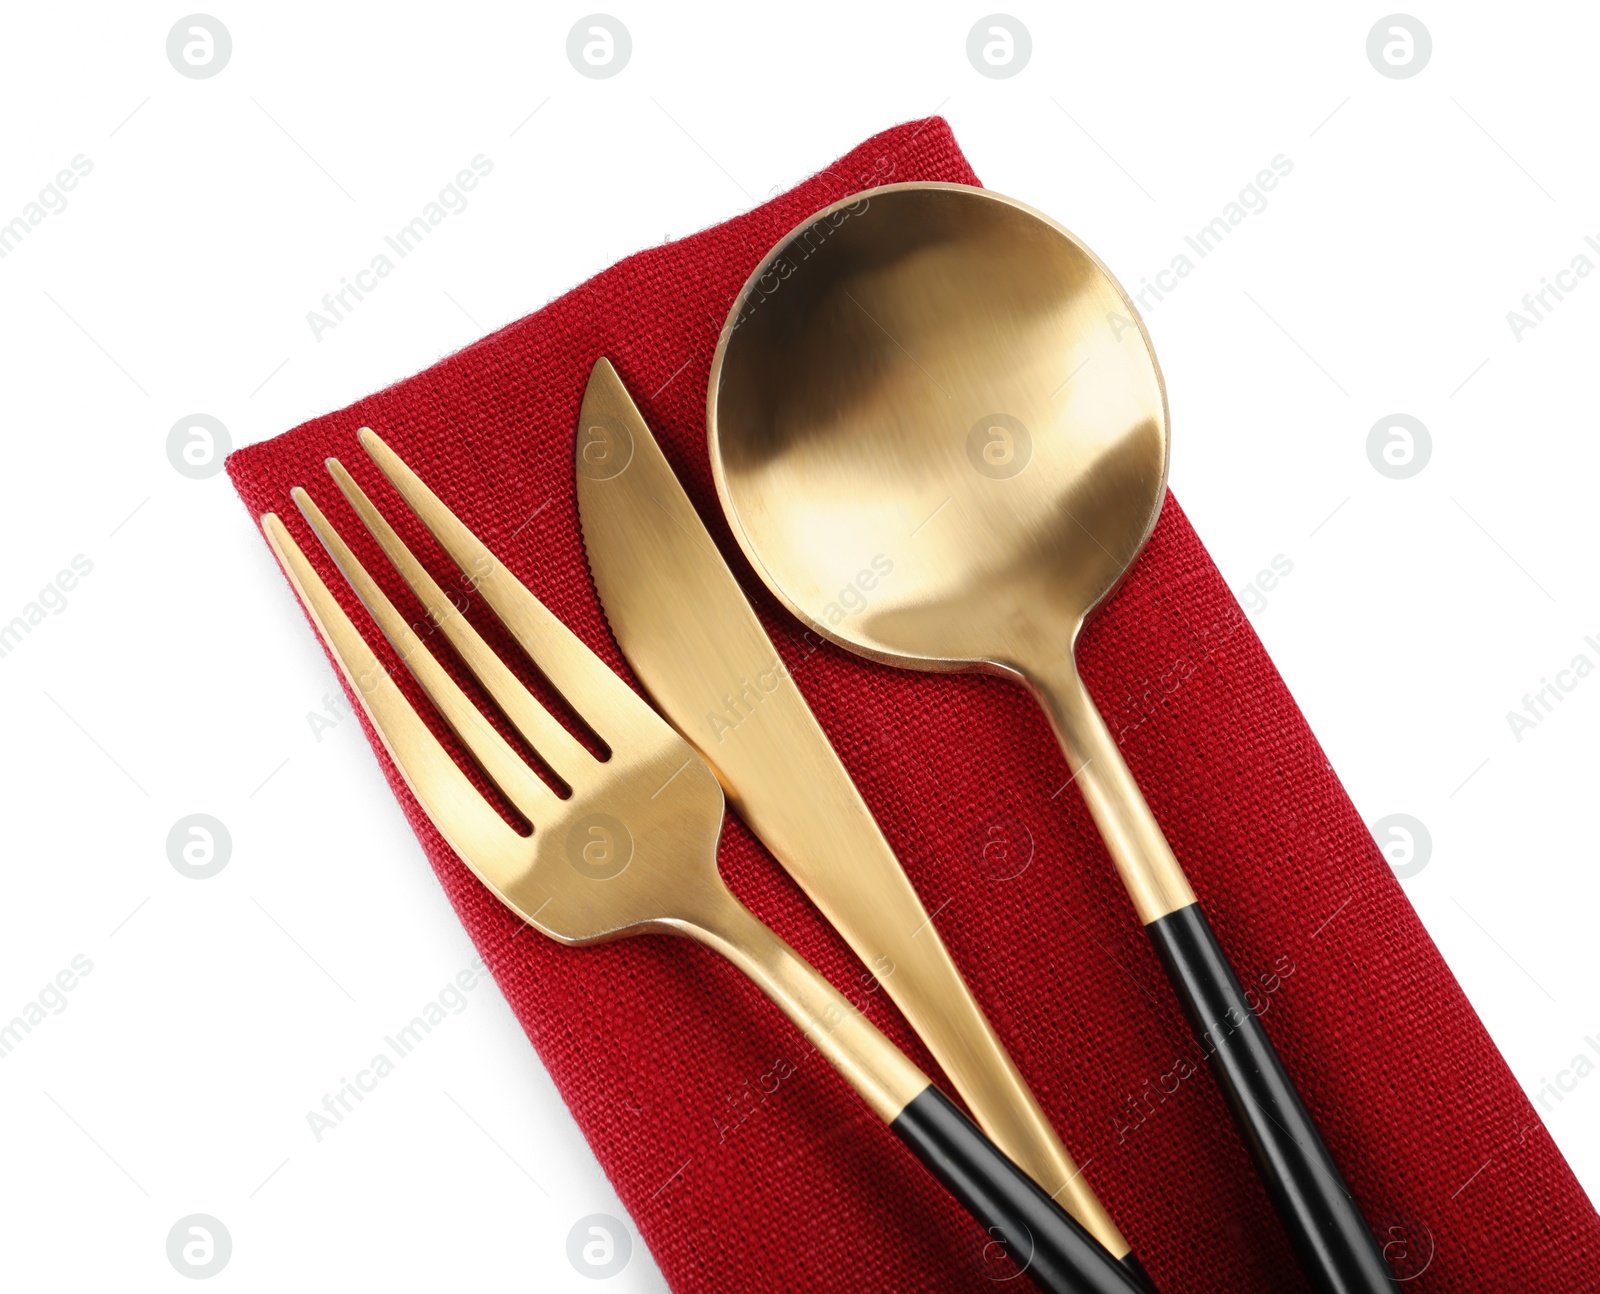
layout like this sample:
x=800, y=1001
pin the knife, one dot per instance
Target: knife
x=695, y=644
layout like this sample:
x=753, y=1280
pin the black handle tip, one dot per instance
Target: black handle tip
x=1325, y=1225
x=1057, y=1254
x=1132, y=1263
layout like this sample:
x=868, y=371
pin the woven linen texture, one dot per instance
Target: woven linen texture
x=745, y=1162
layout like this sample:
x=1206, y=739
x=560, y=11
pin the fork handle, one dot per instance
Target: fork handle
x=1018, y=1218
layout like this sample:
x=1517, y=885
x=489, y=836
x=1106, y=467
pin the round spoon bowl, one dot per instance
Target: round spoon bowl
x=938, y=428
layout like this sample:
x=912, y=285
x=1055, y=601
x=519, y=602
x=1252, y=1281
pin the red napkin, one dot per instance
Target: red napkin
x=748, y=1164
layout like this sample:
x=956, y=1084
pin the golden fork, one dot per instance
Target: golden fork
x=633, y=848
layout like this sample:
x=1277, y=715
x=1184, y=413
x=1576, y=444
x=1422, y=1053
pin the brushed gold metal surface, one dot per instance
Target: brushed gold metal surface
x=633, y=849
x=696, y=645
x=944, y=382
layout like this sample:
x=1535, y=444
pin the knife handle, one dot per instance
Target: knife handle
x=1019, y=1218
x=1335, y=1246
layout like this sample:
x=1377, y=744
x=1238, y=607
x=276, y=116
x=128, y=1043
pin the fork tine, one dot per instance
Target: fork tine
x=448, y=797
x=503, y=764
x=607, y=704
x=555, y=745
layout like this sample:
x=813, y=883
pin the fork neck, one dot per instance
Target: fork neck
x=883, y=1076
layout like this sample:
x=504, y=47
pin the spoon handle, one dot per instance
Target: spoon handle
x=1331, y=1237
x=1324, y=1222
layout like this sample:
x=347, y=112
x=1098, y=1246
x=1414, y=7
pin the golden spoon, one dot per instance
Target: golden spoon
x=940, y=434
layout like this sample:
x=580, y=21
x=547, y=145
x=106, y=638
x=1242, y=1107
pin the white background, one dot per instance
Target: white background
x=219, y=211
